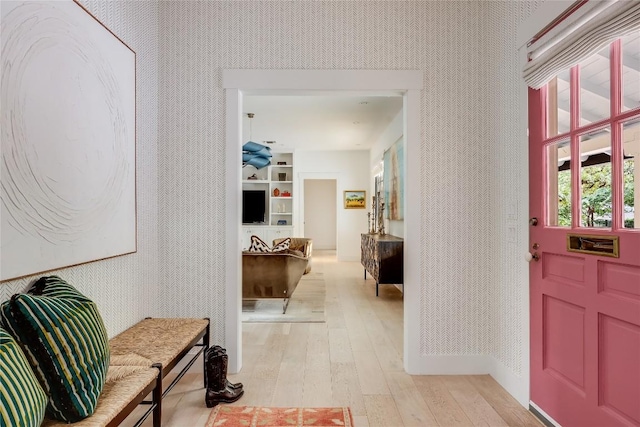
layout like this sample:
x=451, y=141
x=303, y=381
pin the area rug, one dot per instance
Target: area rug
x=305, y=306
x=252, y=416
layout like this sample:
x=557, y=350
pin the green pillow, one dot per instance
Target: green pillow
x=64, y=338
x=22, y=400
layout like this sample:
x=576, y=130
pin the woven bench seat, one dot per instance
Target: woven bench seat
x=156, y=340
x=125, y=387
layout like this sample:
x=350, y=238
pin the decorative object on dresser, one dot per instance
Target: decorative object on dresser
x=382, y=256
x=381, y=220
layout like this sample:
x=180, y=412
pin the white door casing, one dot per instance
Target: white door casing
x=237, y=83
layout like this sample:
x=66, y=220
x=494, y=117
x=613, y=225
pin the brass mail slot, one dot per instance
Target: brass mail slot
x=592, y=244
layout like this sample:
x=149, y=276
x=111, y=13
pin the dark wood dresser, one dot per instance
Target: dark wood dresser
x=382, y=257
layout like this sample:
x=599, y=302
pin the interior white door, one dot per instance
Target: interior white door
x=320, y=212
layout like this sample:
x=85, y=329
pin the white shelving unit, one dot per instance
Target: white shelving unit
x=277, y=182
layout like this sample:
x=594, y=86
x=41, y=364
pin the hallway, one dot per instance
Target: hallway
x=355, y=360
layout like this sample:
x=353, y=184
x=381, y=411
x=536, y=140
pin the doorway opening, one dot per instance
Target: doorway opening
x=237, y=84
x=319, y=212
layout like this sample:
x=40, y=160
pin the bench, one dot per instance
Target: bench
x=124, y=389
x=141, y=357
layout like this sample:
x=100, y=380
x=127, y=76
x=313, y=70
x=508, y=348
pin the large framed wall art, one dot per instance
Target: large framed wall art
x=68, y=139
x=393, y=176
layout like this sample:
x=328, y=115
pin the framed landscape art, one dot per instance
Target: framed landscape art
x=68, y=139
x=355, y=199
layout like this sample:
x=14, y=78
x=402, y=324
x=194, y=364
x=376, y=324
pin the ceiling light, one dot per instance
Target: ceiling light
x=363, y=103
x=356, y=123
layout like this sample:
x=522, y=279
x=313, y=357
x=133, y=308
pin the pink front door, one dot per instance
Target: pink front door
x=584, y=179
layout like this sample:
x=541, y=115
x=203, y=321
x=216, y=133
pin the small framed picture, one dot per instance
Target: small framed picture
x=355, y=199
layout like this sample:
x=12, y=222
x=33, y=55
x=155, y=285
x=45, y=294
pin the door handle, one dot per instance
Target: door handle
x=532, y=256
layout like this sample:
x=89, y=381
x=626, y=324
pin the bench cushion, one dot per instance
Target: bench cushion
x=122, y=385
x=63, y=336
x=156, y=340
x=22, y=400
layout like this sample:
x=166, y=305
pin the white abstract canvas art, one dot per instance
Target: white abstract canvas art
x=68, y=139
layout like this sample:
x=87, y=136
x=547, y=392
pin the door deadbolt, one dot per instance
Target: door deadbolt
x=533, y=221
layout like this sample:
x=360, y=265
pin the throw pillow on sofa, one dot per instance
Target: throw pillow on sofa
x=257, y=245
x=22, y=400
x=64, y=338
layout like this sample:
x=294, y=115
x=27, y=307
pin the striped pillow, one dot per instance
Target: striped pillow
x=22, y=400
x=65, y=340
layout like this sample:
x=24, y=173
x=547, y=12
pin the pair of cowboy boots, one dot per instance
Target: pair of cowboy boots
x=219, y=389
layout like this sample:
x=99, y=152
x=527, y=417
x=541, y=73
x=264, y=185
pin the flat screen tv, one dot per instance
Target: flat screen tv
x=253, y=206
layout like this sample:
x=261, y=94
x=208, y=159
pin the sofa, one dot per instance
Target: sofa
x=302, y=244
x=272, y=274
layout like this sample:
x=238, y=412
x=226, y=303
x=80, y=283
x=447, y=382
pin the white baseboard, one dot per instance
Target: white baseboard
x=516, y=386
x=452, y=365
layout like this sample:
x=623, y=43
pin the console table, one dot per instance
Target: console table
x=382, y=257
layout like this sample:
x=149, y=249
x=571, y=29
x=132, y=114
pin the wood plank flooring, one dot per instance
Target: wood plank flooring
x=355, y=360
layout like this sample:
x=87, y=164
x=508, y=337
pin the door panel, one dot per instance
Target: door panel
x=584, y=307
x=618, y=375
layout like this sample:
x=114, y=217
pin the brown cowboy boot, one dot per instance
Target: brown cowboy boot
x=217, y=391
x=233, y=386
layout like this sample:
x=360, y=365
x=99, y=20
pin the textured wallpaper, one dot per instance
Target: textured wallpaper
x=125, y=287
x=471, y=148
x=472, y=276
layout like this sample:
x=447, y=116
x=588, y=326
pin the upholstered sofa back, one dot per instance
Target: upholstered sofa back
x=271, y=275
x=302, y=244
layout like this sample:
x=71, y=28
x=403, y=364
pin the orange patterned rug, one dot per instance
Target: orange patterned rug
x=251, y=416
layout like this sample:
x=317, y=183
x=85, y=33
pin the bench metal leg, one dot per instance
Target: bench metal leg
x=205, y=342
x=157, y=398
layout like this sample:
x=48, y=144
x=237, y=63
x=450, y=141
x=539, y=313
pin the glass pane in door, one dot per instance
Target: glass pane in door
x=631, y=173
x=595, y=88
x=631, y=71
x=559, y=184
x=595, y=177
x=558, y=105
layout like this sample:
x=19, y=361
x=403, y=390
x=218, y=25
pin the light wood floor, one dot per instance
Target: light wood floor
x=355, y=360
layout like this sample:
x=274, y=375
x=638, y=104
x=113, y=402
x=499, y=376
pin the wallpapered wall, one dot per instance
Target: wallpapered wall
x=125, y=287
x=470, y=146
x=473, y=280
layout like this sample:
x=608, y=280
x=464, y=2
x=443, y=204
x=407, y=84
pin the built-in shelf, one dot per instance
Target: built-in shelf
x=269, y=179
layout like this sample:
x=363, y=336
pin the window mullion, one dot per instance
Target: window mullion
x=574, y=120
x=615, y=63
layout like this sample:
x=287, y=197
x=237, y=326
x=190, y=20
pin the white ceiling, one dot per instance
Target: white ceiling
x=337, y=121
